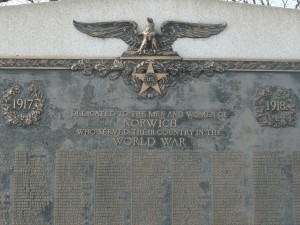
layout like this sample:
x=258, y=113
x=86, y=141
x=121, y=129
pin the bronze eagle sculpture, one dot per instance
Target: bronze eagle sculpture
x=149, y=42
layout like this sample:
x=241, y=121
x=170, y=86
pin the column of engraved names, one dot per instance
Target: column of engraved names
x=296, y=186
x=228, y=193
x=151, y=188
x=5, y=203
x=113, y=187
x=70, y=181
x=269, y=184
x=30, y=190
x=191, y=200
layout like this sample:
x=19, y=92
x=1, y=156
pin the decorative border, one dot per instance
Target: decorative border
x=35, y=63
x=125, y=67
x=226, y=65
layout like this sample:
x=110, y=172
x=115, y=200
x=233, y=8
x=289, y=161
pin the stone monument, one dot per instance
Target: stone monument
x=153, y=113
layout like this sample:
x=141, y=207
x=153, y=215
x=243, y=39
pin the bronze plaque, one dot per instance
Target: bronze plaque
x=149, y=138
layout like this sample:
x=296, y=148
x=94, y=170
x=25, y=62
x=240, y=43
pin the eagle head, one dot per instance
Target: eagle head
x=150, y=20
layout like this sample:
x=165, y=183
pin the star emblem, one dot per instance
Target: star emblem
x=150, y=79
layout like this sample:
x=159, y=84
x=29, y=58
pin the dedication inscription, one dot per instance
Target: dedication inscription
x=220, y=147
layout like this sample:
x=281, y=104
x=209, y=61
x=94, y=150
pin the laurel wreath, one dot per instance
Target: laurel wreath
x=22, y=119
x=286, y=118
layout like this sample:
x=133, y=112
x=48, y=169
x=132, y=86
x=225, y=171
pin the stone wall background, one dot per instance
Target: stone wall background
x=253, y=32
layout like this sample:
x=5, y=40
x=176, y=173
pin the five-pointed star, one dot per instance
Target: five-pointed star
x=146, y=86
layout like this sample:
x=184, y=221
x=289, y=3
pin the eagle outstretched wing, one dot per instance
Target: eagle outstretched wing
x=124, y=30
x=172, y=30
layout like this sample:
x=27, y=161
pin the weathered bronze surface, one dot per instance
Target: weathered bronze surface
x=220, y=147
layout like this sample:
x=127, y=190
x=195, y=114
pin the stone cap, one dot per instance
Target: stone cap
x=253, y=32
